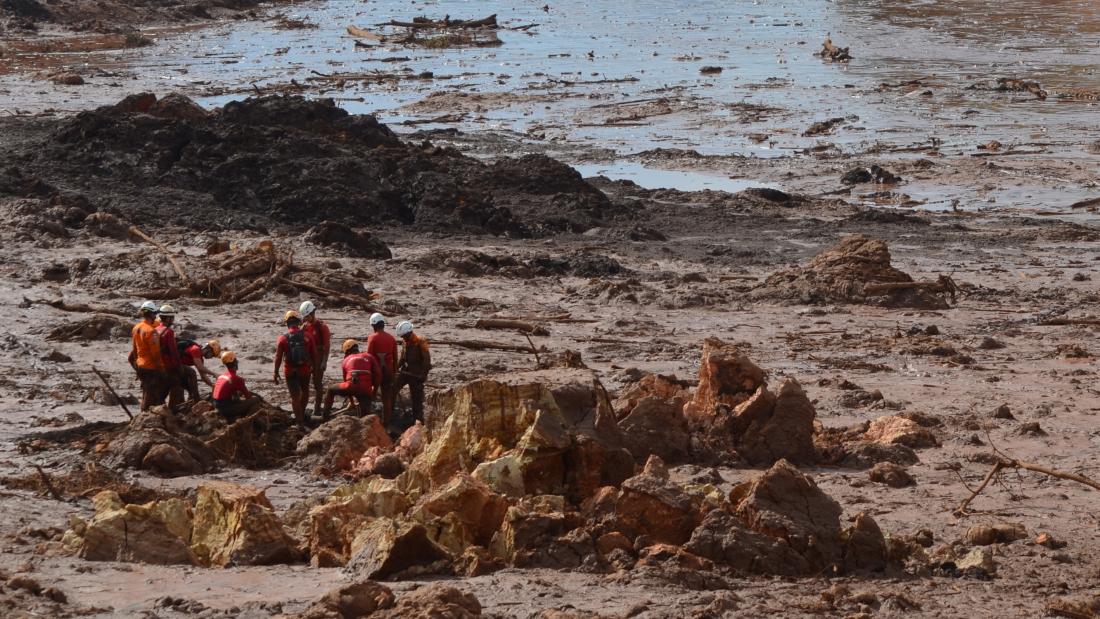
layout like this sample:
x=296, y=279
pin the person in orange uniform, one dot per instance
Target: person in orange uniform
x=232, y=399
x=173, y=367
x=322, y=337
x=192, y=357
x=362, y=377
x=295, y=351
x=145, y=356
x=412, y=370
x=384, y=348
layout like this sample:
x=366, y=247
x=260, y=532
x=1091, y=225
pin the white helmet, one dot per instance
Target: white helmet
x=306, y=308
x=377, y=319
x=404, y=328
x=166, y=310
x=148, y=306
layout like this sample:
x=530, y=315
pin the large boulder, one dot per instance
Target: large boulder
x=386, y=547
x=332, y=527
x=357, y=243
x=465, y=508
x=656, y=427
x=352, y=601
x=896, y=430
x=434, y=601
x=650, y=504
x=158, y=532
x=783, y=432
x=725, y=539
x=236, y=525
x=726, y=377
x=529, y=526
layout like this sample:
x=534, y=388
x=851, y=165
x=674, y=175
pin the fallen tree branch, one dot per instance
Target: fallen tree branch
x=487, y=345
x=421, y=23
x=362, y=302
x=76, y=307
x=48, y=484
x=112, y=391
x=136, y=231
x=506, y=324
x=1011, y=463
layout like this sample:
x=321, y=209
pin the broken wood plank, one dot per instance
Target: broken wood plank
x=517, y=325
x=77, y=307
x=112, y=392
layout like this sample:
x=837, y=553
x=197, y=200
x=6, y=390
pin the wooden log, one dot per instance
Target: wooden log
x=517, y=325
x=259, y=287
x=486, y=345
x=77, y=307
x=362, y=302
x=445, y=23
x=134, y=230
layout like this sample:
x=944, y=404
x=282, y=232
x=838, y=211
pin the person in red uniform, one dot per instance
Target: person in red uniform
x=412, y=370
x=295, y=351
x=322, y=337
x=173, y=368
x=362, y=377
x=145, y=356
x=232, y=399
x=192, y=357
x=384, y=348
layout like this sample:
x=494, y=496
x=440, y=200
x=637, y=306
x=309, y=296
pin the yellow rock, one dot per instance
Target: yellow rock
x=236, y=525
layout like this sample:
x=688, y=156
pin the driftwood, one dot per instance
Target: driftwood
x=112, y=391
x=134, y=230
x=487, y=345
x=361, y=33
x=362, y=302
x=505, y=324
x=944, y=284
x=423, y=23
x=76, y=307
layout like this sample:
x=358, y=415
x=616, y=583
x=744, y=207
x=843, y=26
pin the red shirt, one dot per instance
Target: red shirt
x=381, y=343
x=320, y=333
x=228, y=385
x=362, y=370
x=191, y=355
x=168, y=350
x=283, y=346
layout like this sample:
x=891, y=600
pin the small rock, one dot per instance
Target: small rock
x=55, y=595
x=978, y=562
x=1031, y=429
x=1047, y=540
x=1003, y=412
x=891, y=474
x=710, y=70
x=1001, y=533
x=57, y=357
x=26, y=583
x=67, y=79
x=989, y=343
x=931, y=330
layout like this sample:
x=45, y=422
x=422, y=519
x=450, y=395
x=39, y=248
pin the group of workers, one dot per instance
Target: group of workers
x=169, y=368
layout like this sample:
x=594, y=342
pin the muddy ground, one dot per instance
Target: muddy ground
x=628, y=277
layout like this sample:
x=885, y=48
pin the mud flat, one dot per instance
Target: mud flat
x=702, y=403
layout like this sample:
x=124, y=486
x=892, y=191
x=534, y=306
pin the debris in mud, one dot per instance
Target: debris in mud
x=120, y=16
x=300, y=162
x=873, y=174
x=893, y=475
x=439, y=34
x=855, y=270
x=823, y=127
x=358, y=243
x=829, y=51
x=710, y=70
x=473, y=263
x=1011, y=84
x=84, y=482
x=98, y=327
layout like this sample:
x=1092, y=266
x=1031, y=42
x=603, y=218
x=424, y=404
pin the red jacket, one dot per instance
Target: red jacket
x=362, y=370
x=381, y=343
x=283, y=346
x=168, y=350
x=228, y=386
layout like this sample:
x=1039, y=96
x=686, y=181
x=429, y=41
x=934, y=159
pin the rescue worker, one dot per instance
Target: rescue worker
x=322, y=337
x=232, y=399
x=173, y=368
x=384, y=348
x=194, y=368
x=412, y=370
x=145, y=356
x=295, y=351
x=362, y=377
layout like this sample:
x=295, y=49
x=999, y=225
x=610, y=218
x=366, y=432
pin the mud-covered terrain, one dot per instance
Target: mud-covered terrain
x=645, y=402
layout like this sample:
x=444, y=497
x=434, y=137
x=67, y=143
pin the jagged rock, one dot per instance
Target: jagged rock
x=157, y=532
x=359, y=599
x=470, y=505
x=663, y=388
x=106, y=225
x=434, y=601
x=387, y=546
x=529, y=525
x=609, y=542
x=156, y=440
x=978, y=562
x=651, y=505
x=1001, y=533
x=784, y=432
x=723, y=538
x=477, y=561
x=338, y=444
x=334, y=525
x=891, y=474
x=411, y=443
x=866, y=455
x=236, y=525
x=864, y=546
x=893, y=429
x=726, y=376
x=656, y=426
x=377, y=461
x=784, y=503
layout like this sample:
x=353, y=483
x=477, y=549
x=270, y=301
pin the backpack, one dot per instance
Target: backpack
x=297, y=355
x=183, y=345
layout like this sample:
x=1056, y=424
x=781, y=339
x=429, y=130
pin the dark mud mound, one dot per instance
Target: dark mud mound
x=119, y=15
x=855, y=270
x=294, y=161
x=476, y=264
